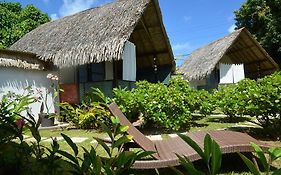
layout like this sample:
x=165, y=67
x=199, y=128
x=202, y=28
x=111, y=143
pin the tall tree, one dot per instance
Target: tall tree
x=16, y=21
x=263, y=19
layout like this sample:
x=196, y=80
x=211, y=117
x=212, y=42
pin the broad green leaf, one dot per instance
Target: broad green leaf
x=70, y=143
x=97, y=165
x=143, y=154
x=69, y=156
x=250, y=164
x=115, y=120
x=207, y=147
x=274, y=153
x=189, y=166
x=123, y=128
x=261, y=156
x=216, y=158
x=105, y=147
x=122, y=140
x=108, y=131
x=194, y=145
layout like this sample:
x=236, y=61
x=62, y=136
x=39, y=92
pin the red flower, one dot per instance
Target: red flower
x=20, y=122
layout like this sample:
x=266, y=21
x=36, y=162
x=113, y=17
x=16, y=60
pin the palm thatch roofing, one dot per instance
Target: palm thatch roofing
x=239, y=47
x=11, y=58
x=99, y=34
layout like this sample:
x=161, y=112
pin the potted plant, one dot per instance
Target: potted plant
x=47, y=118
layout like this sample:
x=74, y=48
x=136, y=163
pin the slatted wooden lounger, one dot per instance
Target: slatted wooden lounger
x=166, y=150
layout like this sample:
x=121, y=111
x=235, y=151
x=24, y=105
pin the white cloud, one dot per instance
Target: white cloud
x=231, y=28
x=187, y=18
x=181, y=47
x=54, y=16
x=70, y=7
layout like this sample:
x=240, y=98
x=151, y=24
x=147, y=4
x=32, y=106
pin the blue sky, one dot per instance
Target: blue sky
x=190, y=24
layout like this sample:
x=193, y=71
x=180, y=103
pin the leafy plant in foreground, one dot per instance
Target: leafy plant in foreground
x=211, y=156
x=274, y=154
x=118, y=161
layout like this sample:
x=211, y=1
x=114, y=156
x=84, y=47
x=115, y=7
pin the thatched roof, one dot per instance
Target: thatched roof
x=10, y=58
x=239, y=47
x=96, y=35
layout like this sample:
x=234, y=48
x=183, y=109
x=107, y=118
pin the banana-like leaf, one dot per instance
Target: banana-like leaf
x=261, y=156
x=70, y=143
x=189, y=166
x=207, y=147
x=194, y=145
x=274, y=153
x=250, y=165
x=216, y=158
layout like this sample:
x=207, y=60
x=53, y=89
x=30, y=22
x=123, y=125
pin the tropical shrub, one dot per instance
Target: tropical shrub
x=232, y=99
x=265, y=102
x=157, y=103
x=197, y=100
x=86, y=116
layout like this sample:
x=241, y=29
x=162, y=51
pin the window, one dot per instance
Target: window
x=92, y=72
x=96, y=72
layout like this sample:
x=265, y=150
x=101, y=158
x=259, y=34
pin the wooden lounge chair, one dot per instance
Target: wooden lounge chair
x=166, y=150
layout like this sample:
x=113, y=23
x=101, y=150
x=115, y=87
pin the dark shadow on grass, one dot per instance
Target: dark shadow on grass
x=228, y=119
x=257, y=133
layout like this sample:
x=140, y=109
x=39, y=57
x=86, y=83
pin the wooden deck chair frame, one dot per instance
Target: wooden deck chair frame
x=166, y=150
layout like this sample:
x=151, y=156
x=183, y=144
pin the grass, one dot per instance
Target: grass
x=201, y=123
x=215, y=122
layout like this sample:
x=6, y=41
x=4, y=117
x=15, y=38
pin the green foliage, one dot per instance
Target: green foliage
x=20, y=157
x=96, y=95
x=16, y=155
x=16, y=21
x=86, y=116
x=262, y=18
x=197, y=100
x=117, y=161
x=260, y=99
x=157, y=103
x=274, y=154
x=232, y=99
x=211, y=155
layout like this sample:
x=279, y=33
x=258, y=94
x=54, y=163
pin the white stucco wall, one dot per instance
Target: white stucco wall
x=16, y=80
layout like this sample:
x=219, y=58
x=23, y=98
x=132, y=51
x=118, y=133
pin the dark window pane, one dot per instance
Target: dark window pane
x=97, y=71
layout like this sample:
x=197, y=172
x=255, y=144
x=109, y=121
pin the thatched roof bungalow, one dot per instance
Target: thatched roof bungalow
x=206, y=66
x=100, y=36
x=19, y=70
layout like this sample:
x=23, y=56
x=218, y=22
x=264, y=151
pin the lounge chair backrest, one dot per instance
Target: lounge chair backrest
x=138, y=137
